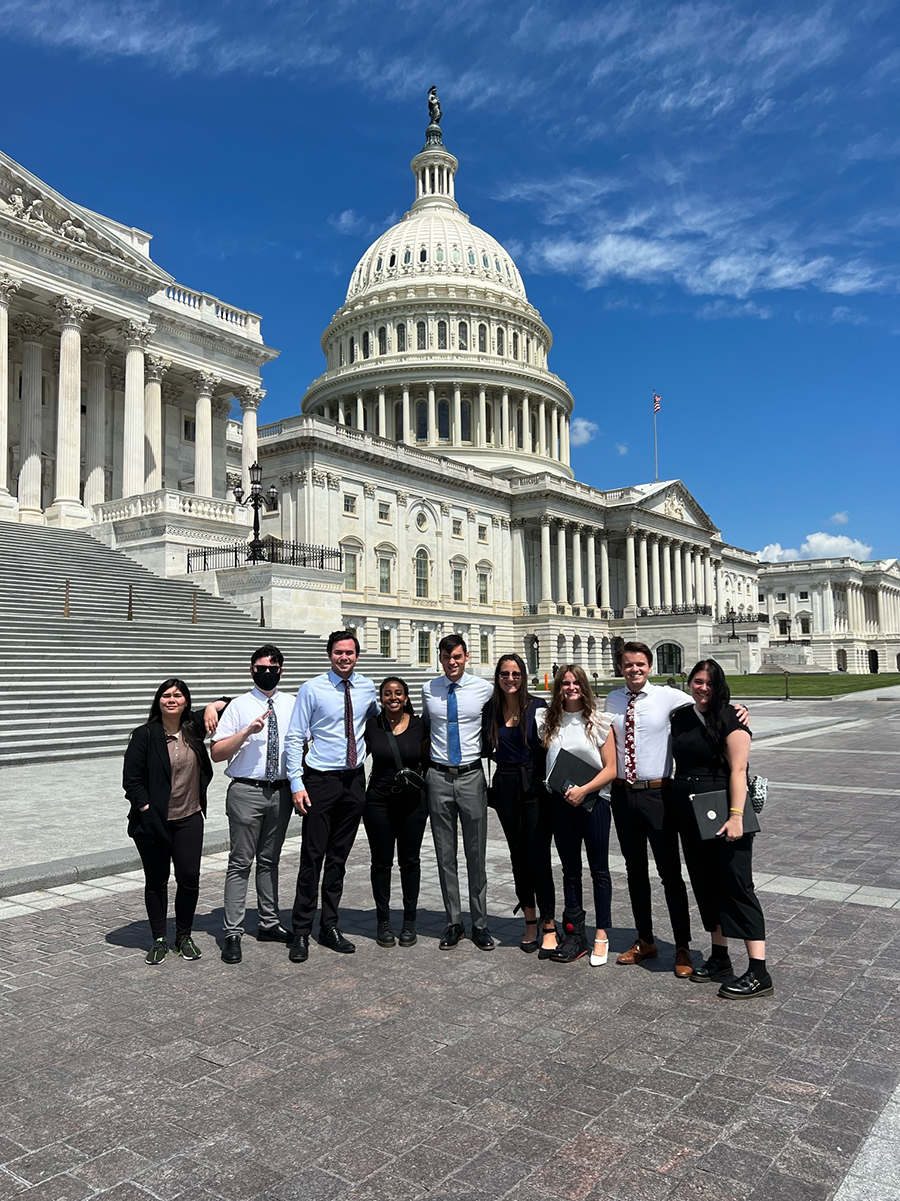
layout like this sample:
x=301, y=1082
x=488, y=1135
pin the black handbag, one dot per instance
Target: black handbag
x=407, y=783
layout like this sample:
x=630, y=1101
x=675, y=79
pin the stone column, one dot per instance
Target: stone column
x=577, y=577
x=97, y=351
x=542, y=427
x=137, y=335
x=667, y=572
x=482, y=415
x=67, y=508
x=382, y=414
x=518, y=560
x=250, y=399
x=554, y=433
x=644, y=589
x=630, y=572
x=526, y=424
x=456, y=428
x=8, y=288
x=407, y=427
x=32, y=331
x=688, y=576
x=708, y=585
x=655, y=601
x=155, y=368
x=676, y=563
x=591, y=567
x=506, y=438
x=604, y=572
x=566, y=445
x=546, y=565
x=562, y=575
x=360, y=412
x=205, y=384
x=432, y=417
x=699, y=583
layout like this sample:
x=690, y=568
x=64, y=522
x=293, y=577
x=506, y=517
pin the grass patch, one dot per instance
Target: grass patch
x=802, y=685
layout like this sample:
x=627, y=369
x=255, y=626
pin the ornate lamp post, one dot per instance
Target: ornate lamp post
x=256, y=500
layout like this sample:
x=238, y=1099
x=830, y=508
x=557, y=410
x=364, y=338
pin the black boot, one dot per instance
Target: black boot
x=574, y=944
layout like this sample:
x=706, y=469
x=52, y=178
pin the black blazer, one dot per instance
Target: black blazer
x=532, y=737
x=147, y=777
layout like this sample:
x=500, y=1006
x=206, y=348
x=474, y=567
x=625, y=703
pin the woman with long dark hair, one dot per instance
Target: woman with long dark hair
x=711, y=748
x=396, y=811
x=510, y=738
x=572, y=722
x=165, y=777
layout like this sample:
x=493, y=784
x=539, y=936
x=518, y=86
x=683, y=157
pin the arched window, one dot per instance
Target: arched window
x=499, y=341
x=486, y=262
x=379, y=263
x=471, y=257
x=443, y=419
x=462, y=336
x=456, y=255
x=401, y=338
x=366, y=344
x=352, y=351
x=442, y=335
x=527, y=350
x=340, y=354
x=439, y=254
x=482, y=339
x=398, y=421
x=407, y=257
x=465, y=421
x=669, y=659
x=489, y=423
x=423, y=255
x=421, y=421
x=392, y=261
x=382, y=340
x=421, y=574
x=515, y=345
x=520, y=429
x=420, y=335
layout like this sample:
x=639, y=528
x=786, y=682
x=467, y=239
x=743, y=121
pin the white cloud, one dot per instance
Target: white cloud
x=817, y=546
x=583, y=431
x=347, y=222
x=839, y=518
x=843, y=315
x=622, y=448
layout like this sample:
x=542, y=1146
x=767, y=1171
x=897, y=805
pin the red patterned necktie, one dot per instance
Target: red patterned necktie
x=348, y=726
x=630, y=756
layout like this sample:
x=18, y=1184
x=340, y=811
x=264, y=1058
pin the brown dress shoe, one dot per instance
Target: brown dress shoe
x=684, y=963
x=639, y=952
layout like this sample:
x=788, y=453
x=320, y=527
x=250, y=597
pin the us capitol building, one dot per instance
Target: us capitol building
x=433, y=453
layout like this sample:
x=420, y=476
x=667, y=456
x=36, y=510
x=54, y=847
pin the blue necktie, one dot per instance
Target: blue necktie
x=454, y=751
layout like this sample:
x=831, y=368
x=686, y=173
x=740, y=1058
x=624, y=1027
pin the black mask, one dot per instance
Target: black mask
x=266, y=678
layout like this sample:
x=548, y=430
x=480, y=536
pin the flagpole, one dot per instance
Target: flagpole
x=655, y=452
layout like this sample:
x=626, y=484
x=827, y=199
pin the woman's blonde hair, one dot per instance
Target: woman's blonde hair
x=555, y=709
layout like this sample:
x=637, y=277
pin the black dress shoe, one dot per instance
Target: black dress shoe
x=452, y=935
x=299, y=952
x=747, y=986
x=408, y=933
x=273, y=934
x=481, y=937
x=713, y=970
x=231, y=949
x=385, y=936
x=335, y=941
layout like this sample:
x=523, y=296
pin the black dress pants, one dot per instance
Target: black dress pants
x=642, y=817
x=398, y=823
x=182, y=854
x=327, y=835
x=572, y=826
x=523, y=808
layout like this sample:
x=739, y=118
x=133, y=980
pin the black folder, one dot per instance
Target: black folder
x=569, y=770
x=711, y=812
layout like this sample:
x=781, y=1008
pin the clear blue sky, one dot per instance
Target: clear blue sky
x=702, y=199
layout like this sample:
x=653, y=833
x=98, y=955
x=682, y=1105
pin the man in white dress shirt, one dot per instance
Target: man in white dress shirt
x=457, y=793
x=250, y=736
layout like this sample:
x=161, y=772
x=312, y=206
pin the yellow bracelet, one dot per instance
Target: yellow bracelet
x=739, y=811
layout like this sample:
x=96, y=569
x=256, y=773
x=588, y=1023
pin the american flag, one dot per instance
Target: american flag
x=656, y=399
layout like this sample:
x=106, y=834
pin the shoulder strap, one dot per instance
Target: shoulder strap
x=395, y=750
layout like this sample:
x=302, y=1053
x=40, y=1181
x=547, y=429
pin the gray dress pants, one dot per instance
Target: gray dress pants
x=258, y=820
x=460, y=800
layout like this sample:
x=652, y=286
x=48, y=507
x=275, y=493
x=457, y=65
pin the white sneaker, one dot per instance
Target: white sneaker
x=599, y=960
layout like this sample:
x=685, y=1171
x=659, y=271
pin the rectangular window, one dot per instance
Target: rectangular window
x=190, y=430
x=485, y=648
x=804, y=596
x=350, y=571
x=384, y=511
x=781, y=596
x=424, y=648
x=457, y=584
x=482, y=588
x=384, y=642
x=482, y=533
x=401, y=339
x=349, y=503
x=804, y=625
x=762, y=598
x=457, y=527
x=783, y=626
x=384, y=576
x=420, y=335
x=421, y=574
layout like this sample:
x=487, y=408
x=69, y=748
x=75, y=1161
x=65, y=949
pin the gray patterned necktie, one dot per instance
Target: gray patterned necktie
x=272, y=755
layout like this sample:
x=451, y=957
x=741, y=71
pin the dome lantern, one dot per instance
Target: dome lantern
x=434, y=167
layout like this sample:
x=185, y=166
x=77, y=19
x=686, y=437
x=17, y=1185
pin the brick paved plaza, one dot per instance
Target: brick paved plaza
x=470, y=1075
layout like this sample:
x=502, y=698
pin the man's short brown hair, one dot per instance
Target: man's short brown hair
x=635, y=648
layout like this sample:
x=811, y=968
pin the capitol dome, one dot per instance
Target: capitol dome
x=436, y=343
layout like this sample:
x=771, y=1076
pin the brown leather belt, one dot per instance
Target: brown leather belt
x=643, y=785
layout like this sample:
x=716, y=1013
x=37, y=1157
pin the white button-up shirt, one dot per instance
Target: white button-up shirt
x=249, y=762
x=472, y=693
x=652, y=733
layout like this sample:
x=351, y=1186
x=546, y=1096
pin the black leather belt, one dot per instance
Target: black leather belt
x=458, y=770
x=643, y=785
x=259, y=783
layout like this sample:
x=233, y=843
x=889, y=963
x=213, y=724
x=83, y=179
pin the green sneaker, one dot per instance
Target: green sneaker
x=187, y=948
x=157, y=952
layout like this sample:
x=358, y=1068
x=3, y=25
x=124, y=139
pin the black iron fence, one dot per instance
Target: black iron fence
x=668, y=610
x=292, y=554
x=738, y=618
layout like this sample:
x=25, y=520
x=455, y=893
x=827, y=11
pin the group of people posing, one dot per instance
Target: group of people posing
x=641, y=762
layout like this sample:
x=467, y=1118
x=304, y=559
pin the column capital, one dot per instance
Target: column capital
x=631, y=531
x=171, y=393
x=71, y=312
x=31, y=328
x=546, y=519
x=369, y=491
x=117, y=377
x=518, y=523
x=563, y=523
x=9, y=285
x=578, y=527
x=250, y=398
x=285, y=480
x=136, y=334
x=205, y=382
x=155, y=367
x=96, y=349
x=472, y=514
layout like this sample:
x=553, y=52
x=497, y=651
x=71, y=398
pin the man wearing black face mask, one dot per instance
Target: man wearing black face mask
x=251, y=737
